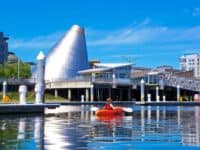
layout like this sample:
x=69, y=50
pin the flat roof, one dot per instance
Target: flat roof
x=95, y=70
x=105, y=67
x=113, y=65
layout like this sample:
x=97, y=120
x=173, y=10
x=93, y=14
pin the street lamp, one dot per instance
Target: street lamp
x=18, y=72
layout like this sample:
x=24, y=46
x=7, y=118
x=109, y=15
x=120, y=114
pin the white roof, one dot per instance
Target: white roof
x=95, y=70
x=104, y=67
x=153, y=73
x=113, y=65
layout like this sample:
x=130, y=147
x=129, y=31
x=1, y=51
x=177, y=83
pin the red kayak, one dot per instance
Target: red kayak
x=110, y=112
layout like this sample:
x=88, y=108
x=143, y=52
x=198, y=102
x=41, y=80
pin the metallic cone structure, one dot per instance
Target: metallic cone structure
x=68, y=56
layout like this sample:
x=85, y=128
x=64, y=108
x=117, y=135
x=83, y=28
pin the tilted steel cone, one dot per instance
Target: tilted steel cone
x=68, y=56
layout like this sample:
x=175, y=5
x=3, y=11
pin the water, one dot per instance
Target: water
x=150, y=127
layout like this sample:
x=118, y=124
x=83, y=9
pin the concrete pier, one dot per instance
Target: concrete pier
x=25, y=108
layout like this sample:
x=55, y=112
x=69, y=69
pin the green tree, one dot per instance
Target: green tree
x=11, y=70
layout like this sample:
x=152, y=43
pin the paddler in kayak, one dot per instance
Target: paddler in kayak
x=108, y=104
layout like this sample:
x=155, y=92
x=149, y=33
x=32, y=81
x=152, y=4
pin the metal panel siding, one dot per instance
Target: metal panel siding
x=68, y=56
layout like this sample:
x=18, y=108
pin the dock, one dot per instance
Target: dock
x=136, y=103
x=25, y=108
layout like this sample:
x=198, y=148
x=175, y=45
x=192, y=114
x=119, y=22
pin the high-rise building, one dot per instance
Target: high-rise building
x=3, y=48
x=190, y=62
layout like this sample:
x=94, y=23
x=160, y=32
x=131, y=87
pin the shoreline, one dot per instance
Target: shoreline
x=31, y=108
x=168, y=103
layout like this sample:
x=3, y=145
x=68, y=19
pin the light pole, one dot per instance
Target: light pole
x=18, y=65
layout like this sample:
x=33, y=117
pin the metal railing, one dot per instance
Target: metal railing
x=184, y=83
x=173, y=80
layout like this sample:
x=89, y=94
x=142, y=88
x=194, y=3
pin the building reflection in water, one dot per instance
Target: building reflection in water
x=21, y=129
x=39, y=132
x=30, y=133
x=81, y=129
x=190, y=121
x=157, y=123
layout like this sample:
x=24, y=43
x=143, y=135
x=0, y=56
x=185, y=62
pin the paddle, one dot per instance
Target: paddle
x=125, y=109
x=128, y=109
x=94, y=108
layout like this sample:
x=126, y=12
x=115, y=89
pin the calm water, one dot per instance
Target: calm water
x=148, y=128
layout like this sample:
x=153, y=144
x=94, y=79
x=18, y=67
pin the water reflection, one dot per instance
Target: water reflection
x=17, y=132
x=148, y=127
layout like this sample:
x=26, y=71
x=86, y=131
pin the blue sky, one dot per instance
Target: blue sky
x=148, y=33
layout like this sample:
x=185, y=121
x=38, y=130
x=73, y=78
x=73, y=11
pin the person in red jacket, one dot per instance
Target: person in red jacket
x=108, y=104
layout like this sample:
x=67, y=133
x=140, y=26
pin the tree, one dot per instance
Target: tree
x=11, y=70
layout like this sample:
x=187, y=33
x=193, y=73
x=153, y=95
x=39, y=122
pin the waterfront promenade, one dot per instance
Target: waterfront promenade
x=39, y=108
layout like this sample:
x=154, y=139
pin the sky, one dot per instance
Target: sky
x=148, y=33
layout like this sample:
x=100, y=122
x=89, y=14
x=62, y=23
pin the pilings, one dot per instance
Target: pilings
x=4, y=89
x=86, y=94
x=157, y=94
x=142, y=90
x=92, y=92
x=22, y=94
x=178, y=92
x=40, y=83
x=149, y=97
x=56, y=93
x=69, y=95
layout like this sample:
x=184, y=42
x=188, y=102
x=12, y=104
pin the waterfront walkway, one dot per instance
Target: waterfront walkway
x=25, y=108
x=39, y=108
x=168, y=103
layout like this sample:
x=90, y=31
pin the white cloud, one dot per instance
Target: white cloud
x=126, y=56
x=128, y=36
x=144, y=34
x=40, y=42
x=140, y=34
x=196, y=12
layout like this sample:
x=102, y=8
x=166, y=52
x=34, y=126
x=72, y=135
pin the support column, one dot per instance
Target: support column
x=129, y=94
x=114, y=79
x=120, y=94
x=149, y=97
x=109, y=92
x=178, y=92
x=142, y=90
x=86, y=95
x=157, y=94
x=55, y=93
x=69, y=95
x=91, y=92
x=93, y=77
x=98, y=93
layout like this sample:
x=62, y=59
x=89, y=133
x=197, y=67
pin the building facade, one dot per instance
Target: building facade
x=68, y=56
x=190, y=62
x=3, y=48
